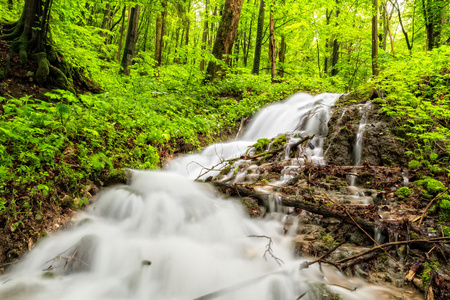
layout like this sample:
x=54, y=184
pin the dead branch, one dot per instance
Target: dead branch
x=348, y=214
x=269, y=249
x=376, y=248
x=429, y=205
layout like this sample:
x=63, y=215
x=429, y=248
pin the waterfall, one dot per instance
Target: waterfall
x=163, y=236
x=357, y=150
x=300, y=115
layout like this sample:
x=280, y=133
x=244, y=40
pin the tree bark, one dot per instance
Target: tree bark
x=122, y=27
x=205, y=34
x=130, y=43
x=226, y=35
x=433, y=12
x=259, y=34
x=29, y=37
x=272, y=46
x=160, y=30
x=375, y=67
x=335, y=53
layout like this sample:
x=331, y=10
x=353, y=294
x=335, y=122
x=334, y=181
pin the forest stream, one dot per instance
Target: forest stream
x=168, y=235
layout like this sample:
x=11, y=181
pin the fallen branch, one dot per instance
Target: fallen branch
x=295, y=201
x=429, y=205
x=433, y=240
x=348, y=214
x=269, y=248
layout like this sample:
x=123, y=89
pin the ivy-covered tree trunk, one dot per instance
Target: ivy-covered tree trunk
x=226, y=34
x=259, y=35
x=29, y=37
x=130, y=42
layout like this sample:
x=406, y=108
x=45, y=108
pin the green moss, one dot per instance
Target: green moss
x=431, y=185
x=279, y=141
x=403, y=192
x=444, y=213
x=261, y=145
x=414, y=164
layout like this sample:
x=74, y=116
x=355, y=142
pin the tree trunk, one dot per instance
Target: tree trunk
x=122, y=27
x=130, y=42
x=335, y=53
x=10, y=4
x=259, y=35
x=375, y=67
x=160, y=28
x=272, y=47
x=433, y=12
x=205, y=34
x=226, y=35
x=29, y=37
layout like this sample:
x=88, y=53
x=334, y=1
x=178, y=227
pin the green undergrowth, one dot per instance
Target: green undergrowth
x=61, y=144
x=414, y=91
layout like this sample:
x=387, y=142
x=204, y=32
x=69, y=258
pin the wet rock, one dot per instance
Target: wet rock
x=383, y=146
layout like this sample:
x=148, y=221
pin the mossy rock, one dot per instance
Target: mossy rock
x=116, y=176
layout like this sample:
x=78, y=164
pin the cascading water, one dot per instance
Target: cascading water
x=301, y=115
x=166, y=237
x=359, y=195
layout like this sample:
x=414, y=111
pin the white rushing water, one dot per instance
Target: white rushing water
x=302, y=114
x=164, y=236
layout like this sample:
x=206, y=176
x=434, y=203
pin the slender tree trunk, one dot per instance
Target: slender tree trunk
x=248, y=42
x=205, y=34
x=259, y=34
x=272, y=46
x=160, y=28
x=327, y=43
x=335, y=53
x=335, y=58
x=375, y=66
x=130, y=42
x=121, y=32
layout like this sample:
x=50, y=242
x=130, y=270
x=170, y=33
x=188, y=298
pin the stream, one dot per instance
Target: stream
x=165, y=236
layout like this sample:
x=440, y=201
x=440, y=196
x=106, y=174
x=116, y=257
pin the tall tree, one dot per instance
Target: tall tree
x=29, y=36
x=433, y=12
x=259, y=36
x=205, y=34
x=226, y=34
x=130, y=43
x=160, y=31
x=272, y=46
x=375, y=66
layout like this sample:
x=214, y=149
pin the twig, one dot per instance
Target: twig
x=433, y=240
x=429, y=204
x=268, y=248
x=356, y=223
x=320, y=259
